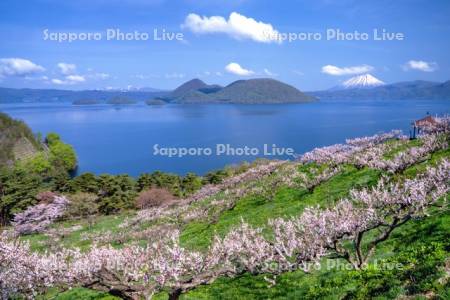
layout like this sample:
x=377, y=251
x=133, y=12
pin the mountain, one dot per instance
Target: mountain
x=262, y=90
x=252, y=91
x=361, y=81
x=409, y=90
x=191, y=86
x=10, y=95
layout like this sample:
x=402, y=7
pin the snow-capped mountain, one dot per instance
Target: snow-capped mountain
x=361, y=81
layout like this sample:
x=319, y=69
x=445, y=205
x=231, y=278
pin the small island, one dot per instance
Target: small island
x=155, y=102
x=251, y=91
x=86, y=102
x=118, y=100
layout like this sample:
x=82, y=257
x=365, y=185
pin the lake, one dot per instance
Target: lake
x=115, y=140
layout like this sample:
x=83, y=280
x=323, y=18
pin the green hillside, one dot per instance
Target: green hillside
x=17, y=141
x=261, y=90
x=411, y=263
x=252, y=91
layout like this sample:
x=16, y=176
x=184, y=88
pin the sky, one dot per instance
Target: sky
x=219, y=42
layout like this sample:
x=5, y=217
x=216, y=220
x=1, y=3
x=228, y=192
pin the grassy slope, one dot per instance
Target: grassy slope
x=257, y=210
x=331, y=284
x=12, y=133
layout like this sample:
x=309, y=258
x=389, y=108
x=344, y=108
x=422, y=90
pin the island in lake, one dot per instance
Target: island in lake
x=86, y=102
x=251, y=91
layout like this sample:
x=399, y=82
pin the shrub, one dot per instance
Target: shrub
x=37, y=218
x=38, y=164
x=52, y=138
x=190, y=184
x=216, y=177
x=82, y=205
x=61, y=154
x=17, y=191
x=45, y=197
x=153, y=197
x=86, y=182
x=171, y=182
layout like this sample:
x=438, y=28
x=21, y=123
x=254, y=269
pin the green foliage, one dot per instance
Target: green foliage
x=171, y=182
x=177, y=185
x=215, y=177
x=86, y=182
x=190, y=184
x=116, y=193
x=82, y=205
x=61, y=154
x=52, y=138
x=39, y=164
x=18, y=189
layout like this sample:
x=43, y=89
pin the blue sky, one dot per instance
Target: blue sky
x=222, y=41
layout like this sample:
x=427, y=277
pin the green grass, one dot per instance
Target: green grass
x=40, y=242
x=401, y=146
x=337, y=283
x=405, y=245
x=412, y=171
x=257, y=210
x=77, y=293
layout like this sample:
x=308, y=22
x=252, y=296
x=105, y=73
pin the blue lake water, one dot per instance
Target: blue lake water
x=111, y=139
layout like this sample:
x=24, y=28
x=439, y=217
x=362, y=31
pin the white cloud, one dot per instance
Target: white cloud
x=269, y=73
x=75, y=78
x=58, y=81
x=236, y=69
x=297, y=72
x=145, y=77
x=71, y=76
x=67, y=69
x=99, y=76
x=18, y=67
x=36, y=78
x=420, y=65
x=237, y=26
x=337, y=71
x=174, y=75
x=219, y=73
x=68, y=80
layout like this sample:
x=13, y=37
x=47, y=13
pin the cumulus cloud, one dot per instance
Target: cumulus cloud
x=235, y=68
x=75, y=78
x=68, y=80
x=420, y=65
x=71, y=76
x=67, y=69
x=58, y=81
x=18, y=67
x=337, y=71
x=237, y=26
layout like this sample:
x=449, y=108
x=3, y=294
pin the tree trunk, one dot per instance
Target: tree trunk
x=175, y=294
